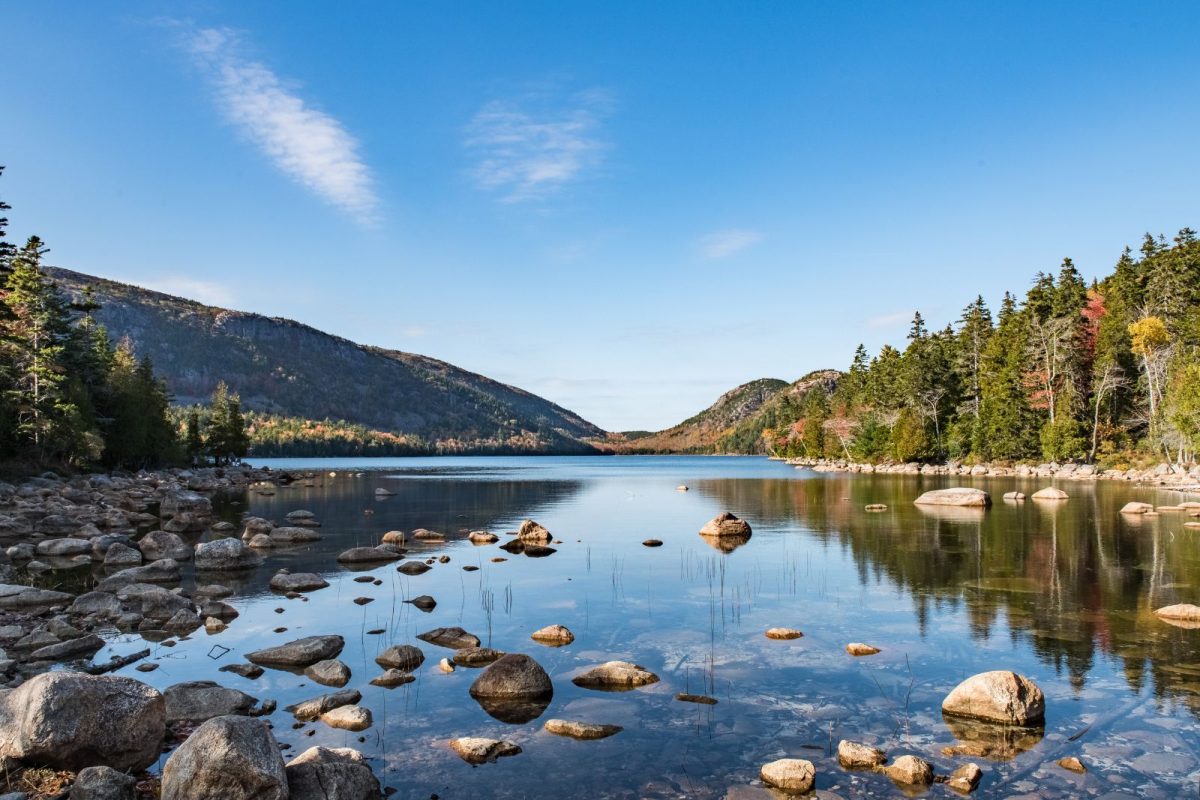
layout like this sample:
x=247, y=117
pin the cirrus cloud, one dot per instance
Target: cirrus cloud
x=310, y=146
x=727, y=242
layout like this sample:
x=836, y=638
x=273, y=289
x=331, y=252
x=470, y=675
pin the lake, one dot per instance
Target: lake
x=1061, y=593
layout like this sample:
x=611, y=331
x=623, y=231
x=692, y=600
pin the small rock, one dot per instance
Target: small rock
x=792, y=775
x=702, y=699
x=454, y=638
x=652, y=543
x=330, y=672
x=423, y=602
x=476, y=656
x=618, y=675
x=350, y=718
x=299, y=653
x=965, y=779
x=910, y=771
x=875, y=507
x=783, y=633
x=553, y=635
x=103, y=783
x=860, y=649
x=401, y=656
x=476, y=750
x=413, y=568
x=446, y=665
x=392, y=678
x=856, y=755
x=581, y=730
x=726, y=524
x=1072, y=763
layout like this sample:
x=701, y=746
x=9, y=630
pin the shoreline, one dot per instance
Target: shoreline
x=1163, y=475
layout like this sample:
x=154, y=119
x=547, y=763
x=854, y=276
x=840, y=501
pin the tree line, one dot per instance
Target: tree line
x=1104, y=372
x=69, y=396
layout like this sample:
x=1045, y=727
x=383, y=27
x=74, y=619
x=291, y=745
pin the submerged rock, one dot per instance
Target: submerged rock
x=299, y=653
x=960, y=496
x=791, y=775
x=997, y=696
x=454, y=638
x=227, y=758
x=615, y=676
x=392, y=678
x=856, y=755
x=1014, y=496
x=702, y=699
x=581, y=730
x=1072, y=763
x=311, y=709
x=476, y=656
x=68, y=720
x=477, y=750
x=338, y=773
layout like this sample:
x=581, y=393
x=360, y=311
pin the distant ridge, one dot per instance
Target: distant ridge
x=287, y=368
x=732, y=424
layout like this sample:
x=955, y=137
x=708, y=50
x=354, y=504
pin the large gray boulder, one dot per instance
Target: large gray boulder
x=226, y=554
x=726, y=524
x=64, y=547
x=284, y=581
x=455, y=638
x=960, y=496
x=513, y=689
x=282, y=537
x=339, y=773
x=68, y=720
x=164, y=544
x=185, y=511
x=165, y=570
x=227, y=758
x=200, y=701
x=299, y=653
x=17, y=596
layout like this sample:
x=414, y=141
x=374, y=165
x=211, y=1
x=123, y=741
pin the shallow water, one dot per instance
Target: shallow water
x=1061, y=593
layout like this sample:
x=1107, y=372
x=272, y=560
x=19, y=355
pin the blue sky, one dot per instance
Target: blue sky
x=625, y=207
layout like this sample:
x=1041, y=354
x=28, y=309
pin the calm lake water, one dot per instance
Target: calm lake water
x=1062, y=593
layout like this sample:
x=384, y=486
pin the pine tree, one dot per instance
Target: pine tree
x=193, y=444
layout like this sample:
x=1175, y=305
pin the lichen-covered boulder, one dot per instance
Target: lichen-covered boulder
x=227, y=758
x=69, y=720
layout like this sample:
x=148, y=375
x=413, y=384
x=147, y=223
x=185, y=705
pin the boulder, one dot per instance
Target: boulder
x=477, y=750
x=284, y=581
x=726, y=524
x=553, y=635
x=998, y=696
x=101, y=604
x=199, y=701
x=791, y=775
x=965, y=779
x=299, y=653
x=72, y=649
x=68, y=720
x=581, y=730
x=513, y=676
x=63, y=547
x=961, y=496
x=121, y=555
x=282, y=537
x=225, y=554
x=103, y=783
x=783, y=633
x=615, y=676
x=454, y=638
x=1137, y=508
x=856, y=755
x=401, y=656
x=424, y=534
x=910, y=771
x=16, y=596
x=483, y=537
x=391, y=678
x=339, y=773
x=227, y=758
x=311, y=709
x=368, y=555
x=165, y=570
x=531, y=532
x=1015, y=497
x=349, y=718
x=329, y=672
x=1183, y=615
x=860, y=649
x=1050, y=493
x=414, y=568
x=163, y=544
x=476, y=656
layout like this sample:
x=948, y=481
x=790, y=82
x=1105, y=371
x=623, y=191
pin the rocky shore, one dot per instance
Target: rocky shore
x=1170, y=476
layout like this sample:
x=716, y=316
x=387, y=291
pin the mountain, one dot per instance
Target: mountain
x=292, y=370
x=701, y=432
x=733, y=424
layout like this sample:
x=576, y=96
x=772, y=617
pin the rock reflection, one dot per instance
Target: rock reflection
x=514, y=711
x=989, y=740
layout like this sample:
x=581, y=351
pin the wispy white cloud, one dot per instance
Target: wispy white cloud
x=309, y=145
x=727, y=242
x=213, y=294
x=530, y=148
x=889, y=320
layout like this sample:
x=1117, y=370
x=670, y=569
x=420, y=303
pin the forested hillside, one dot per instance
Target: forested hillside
x=1071, y=371
x=289, y=373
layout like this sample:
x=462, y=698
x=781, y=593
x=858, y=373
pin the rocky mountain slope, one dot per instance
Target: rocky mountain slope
x=701, y=432
x=286, y=368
